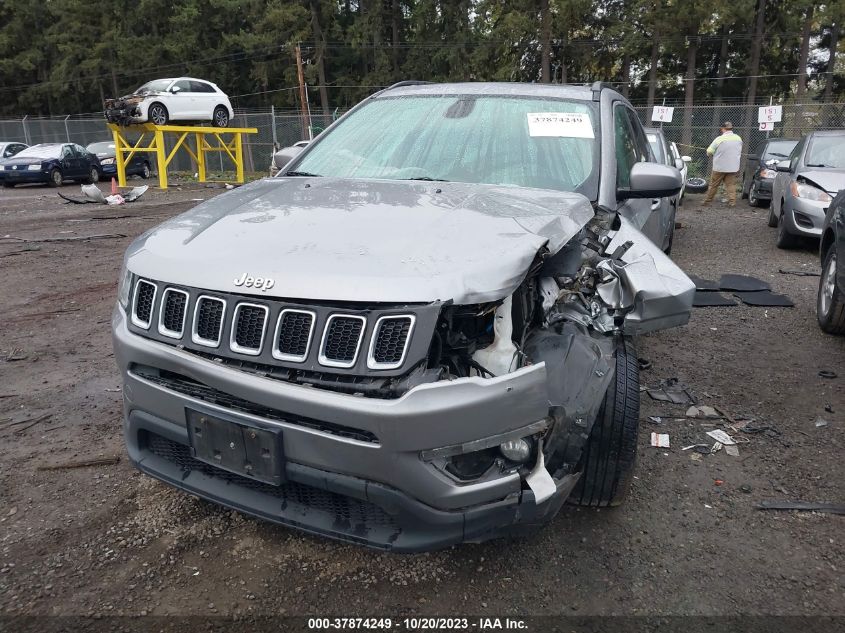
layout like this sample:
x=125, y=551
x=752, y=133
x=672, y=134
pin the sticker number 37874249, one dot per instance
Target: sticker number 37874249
x=561, y=124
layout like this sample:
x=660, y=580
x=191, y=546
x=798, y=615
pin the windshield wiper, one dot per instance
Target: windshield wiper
x=778, y=154
x=817, y=165
x=427, y=179
x=302, y=173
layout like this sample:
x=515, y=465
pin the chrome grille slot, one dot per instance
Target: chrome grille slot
x=208, y=321
x=390, y=341
x=248, y=326
x=171, y=317
x=341, y=340
x=142, y=308
x=293, y=335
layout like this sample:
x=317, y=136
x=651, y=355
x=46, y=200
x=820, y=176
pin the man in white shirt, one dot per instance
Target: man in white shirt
x=726, y=150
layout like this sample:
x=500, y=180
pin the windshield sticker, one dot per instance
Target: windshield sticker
x=563, y=124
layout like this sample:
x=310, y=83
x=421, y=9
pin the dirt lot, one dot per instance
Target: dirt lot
x=105, y=540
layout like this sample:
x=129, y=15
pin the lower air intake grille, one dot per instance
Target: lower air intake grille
x=348, y=510
x=145, y=294
x=343, y=335
x=173, y=315
x=209, y=319
x=249, y=327
x=391, y=338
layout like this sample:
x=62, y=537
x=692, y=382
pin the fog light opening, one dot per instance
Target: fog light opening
x=471, y=465
x=518, y=451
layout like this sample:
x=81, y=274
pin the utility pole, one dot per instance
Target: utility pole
x=303, y=101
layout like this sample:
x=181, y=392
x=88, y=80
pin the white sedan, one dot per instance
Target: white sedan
x=164, y=101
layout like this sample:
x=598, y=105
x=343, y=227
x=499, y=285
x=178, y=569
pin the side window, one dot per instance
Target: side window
x=183, y=85
x=9, y=151
x=67, y=152
x=200, y=86
x=639, y=135
x=793, y=157
x=627, y=152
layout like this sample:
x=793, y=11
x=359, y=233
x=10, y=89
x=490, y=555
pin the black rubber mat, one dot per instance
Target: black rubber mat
x=707, y=299
x=765, y=298
x=703, y=284
x=742, y=283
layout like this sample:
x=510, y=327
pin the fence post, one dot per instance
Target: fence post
x=67, y=131
x=25, y=130
x=273, y=127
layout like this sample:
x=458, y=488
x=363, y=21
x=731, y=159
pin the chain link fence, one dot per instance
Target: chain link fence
x=691, y=128
x=275, y=129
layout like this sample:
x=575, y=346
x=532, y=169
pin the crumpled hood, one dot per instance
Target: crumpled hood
x=362, y=240
x=831, y=180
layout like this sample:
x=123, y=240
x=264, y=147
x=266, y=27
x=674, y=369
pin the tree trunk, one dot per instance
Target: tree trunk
x=689, y=92
x=720, y=77
x=320, y=42
x=756, y=50
x=395, y=26
x=804, y=54
x=831, y=62
x=652, y=70
x=564, y=76
x=545, y=42
x=626, y=75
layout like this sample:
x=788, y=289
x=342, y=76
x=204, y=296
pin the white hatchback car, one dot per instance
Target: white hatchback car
x=164, y=101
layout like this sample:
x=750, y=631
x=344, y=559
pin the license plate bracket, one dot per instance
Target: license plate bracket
x=238, y=448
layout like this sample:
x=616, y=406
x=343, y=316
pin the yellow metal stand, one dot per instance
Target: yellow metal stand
x=203, y=138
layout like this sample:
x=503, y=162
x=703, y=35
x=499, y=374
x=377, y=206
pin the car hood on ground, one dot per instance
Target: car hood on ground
x=362, y=240
x=831, y=180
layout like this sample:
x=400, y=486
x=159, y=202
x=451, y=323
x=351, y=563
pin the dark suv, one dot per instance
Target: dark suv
x=419, y=332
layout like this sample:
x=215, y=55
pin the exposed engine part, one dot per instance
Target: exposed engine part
x=499, y=357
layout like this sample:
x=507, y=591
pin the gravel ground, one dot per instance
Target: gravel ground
x=105, y=540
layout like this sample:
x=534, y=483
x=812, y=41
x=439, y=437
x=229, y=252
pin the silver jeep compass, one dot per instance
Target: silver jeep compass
x=416, y=334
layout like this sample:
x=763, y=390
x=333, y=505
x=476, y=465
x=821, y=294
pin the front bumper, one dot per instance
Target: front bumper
x=24, y=176
x=378, y=493
x=805, y=217
x=763, y=188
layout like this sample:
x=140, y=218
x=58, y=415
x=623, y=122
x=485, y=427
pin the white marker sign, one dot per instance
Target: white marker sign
x=769, y=114
x=767, y=126
x=562, y=124
x=662, y=114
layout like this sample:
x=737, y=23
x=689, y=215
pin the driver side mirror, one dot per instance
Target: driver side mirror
x=785, y=167
x=679, y=163
x=175, y=89
x=686, y=159
x=651, y=180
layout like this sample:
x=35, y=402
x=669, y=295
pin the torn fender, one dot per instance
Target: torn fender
x=652, y=291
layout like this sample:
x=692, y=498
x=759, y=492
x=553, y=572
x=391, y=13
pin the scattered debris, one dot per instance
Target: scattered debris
x=655, y=419
x=706, y=299
x=828, y=407
x=806, y=506
x=16, y=354
x=696, y=447
x=644, y=363
x=827, y=373
x=32, y=422
x=743, y=283
x=92, y=194
x=764, y=298
x=660, y=440
x=718, y=482
x=703, y=411
x=745, y=488
x=800, y=273
x=103, y=461
x=716, y=447
x=703, y=284
x=820, y=422
x=670, y=390
x=720, y=436
x=732, y=450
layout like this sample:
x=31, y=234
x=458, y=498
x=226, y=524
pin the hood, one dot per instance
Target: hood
x=362, y=240
x=24, y=160
x=831, y=180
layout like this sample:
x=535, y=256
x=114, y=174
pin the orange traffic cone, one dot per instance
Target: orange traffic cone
x=113, y=186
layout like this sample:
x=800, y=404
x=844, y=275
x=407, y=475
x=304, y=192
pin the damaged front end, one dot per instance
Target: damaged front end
x=572, y=313
x=124, y=110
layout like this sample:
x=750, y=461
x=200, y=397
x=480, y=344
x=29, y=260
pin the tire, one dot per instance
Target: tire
x=220, y=118
x=746, y=191
x=158, y=114
x=93, y=177
x=785, y=240
x=611, y=450
x=696, y=185
x=56, y=178
x=830, y=303
x=753, y=200
x=146, y=172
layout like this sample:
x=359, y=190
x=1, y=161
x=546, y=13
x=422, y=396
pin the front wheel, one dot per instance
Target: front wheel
x=93, y=176
x=785, y=239
x=753, y=200
x=146, y=172
x=830, y=305
x=158, y=114
x=611, y=450
x=56, y=178
x=221, y=117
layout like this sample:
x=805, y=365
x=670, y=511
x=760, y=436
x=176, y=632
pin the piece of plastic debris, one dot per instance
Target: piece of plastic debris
x=656, y=419
x=708, y=507
x=539, y=480
x=660, y=440
x=115, y=199
x=644, y=363
x=718, y=482
x=228, y=186
x=691, y=446
x=806, y=506
x=702, y=411
x=716, y=447
x=732, y=450
x=720, y=436
x=820, y=422
x=695, y=457
x=828, y=407
x=745, y=488
x=827, y=373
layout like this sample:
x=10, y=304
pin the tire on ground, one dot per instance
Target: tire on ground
x=611, y=450
x=696, y=185
x=833, y=321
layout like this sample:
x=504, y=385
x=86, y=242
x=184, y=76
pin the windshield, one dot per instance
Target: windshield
x=826, y=151
x=544, y=143
x=41, y=151
x=105, y=147
x=656, y=147
x=779, y=149
x=159, y=85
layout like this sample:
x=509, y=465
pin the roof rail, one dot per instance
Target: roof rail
x=408, y=82
x=597, y=86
